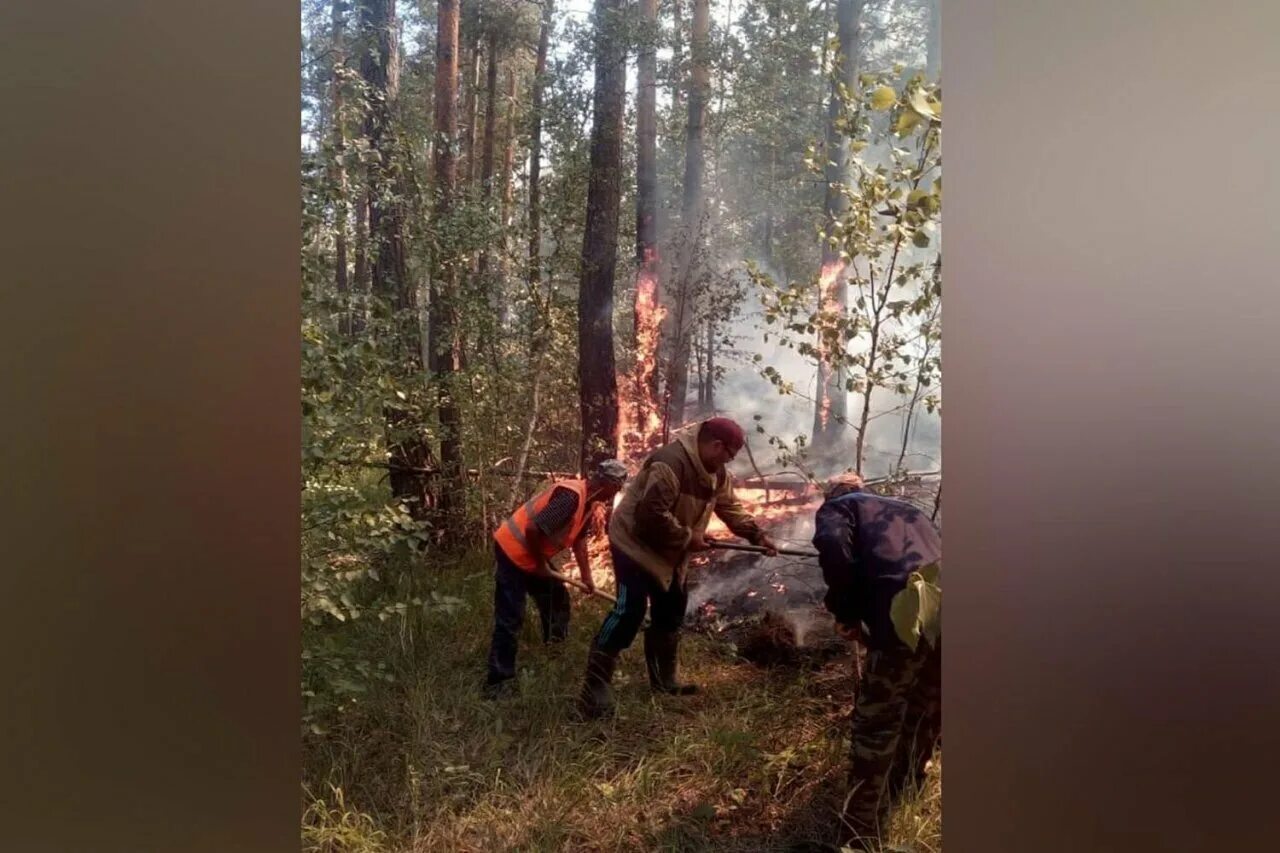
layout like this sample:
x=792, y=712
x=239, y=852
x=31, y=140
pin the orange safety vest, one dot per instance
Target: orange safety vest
x=510, y=535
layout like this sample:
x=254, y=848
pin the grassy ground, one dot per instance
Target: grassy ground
x=755, y=762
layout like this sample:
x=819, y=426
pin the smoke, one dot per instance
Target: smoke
x=773, y=581
x=754, y=401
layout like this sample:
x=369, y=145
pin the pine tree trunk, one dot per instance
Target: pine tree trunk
x=360, y=273
x=831, y=407
x=484, y=261
x=339, y=169
x=509, y=154
x=597, y=380
x=537, y=343
x=535, y=150
x=444, y=281
x=709, y=403
x=648, y=291
x=490, y=119
x=677, y=57
x=692, y=212
x=380, y=68
x=472, y=85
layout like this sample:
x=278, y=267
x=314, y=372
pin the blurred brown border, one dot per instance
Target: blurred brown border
x=150, y=429
x=1111, y=427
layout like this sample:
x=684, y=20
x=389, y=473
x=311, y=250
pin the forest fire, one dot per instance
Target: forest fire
x=639, y=423
x=770, y=508
x=771, y=607
x=828, y=284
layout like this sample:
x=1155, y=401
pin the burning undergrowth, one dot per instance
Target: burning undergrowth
x=770, y=608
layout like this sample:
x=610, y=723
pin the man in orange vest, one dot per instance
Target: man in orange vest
x=524, y=544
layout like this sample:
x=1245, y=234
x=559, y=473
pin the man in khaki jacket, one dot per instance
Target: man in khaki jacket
x=663, y=518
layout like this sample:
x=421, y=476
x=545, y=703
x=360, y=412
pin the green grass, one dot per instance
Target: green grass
x=753, y=763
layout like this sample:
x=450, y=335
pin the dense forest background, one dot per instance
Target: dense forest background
x=540, y=234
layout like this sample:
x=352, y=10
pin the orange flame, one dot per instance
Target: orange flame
x=770, y=510
x=828, y=310
x=639, y=421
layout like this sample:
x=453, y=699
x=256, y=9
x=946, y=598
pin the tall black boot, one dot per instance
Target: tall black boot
x=596, y=700
x=661, y=649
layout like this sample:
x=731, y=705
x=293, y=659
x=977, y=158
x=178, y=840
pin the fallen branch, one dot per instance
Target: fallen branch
x=470, y=472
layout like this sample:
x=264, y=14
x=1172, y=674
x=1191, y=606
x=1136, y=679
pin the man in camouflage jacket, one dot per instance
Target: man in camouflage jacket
x=868, y=548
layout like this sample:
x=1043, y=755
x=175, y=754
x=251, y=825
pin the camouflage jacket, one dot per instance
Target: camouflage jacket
x=868, y=546
x=672, y=496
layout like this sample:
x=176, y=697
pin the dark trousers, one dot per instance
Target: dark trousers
x=510, y=588
x=897, y=721
x=638, y=590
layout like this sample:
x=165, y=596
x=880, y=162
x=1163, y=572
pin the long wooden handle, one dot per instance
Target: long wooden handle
x=758, y=549
x=582, y=586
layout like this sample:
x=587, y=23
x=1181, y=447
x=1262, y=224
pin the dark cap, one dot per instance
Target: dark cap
x=723, y=429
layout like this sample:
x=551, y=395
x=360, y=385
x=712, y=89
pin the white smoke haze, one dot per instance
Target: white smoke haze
x=743, y=394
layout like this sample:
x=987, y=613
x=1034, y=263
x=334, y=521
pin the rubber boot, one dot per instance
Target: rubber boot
x=596, y=700
x=661, y=648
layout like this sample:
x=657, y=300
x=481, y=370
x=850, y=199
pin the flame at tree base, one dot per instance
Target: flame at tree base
x=639, y=421
x=829, y=310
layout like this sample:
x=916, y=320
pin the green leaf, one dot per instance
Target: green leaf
x=883, y=98
x=925, y=104
x=908, y=120
x=920, y=238
x=917, y=611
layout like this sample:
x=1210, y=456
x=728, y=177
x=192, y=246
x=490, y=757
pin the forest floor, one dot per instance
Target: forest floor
x=755, y=762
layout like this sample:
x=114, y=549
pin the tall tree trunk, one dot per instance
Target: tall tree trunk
x=768, y=211
x=699, y=352
x=709, y=403
x=537, y=343
x=647, y=142
x=444, y=281
x=933, y=44
x=597, y=381
x=360, y=273
x=831, y=407
x=691, y=211
x=472, y=85
x=509, y=154
x=338, y=175
x=677, y=57
x=535, y=150
x=640, y=420
x=506, y=195
x=484, y=262
x=380, y=68
x=490, y=118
